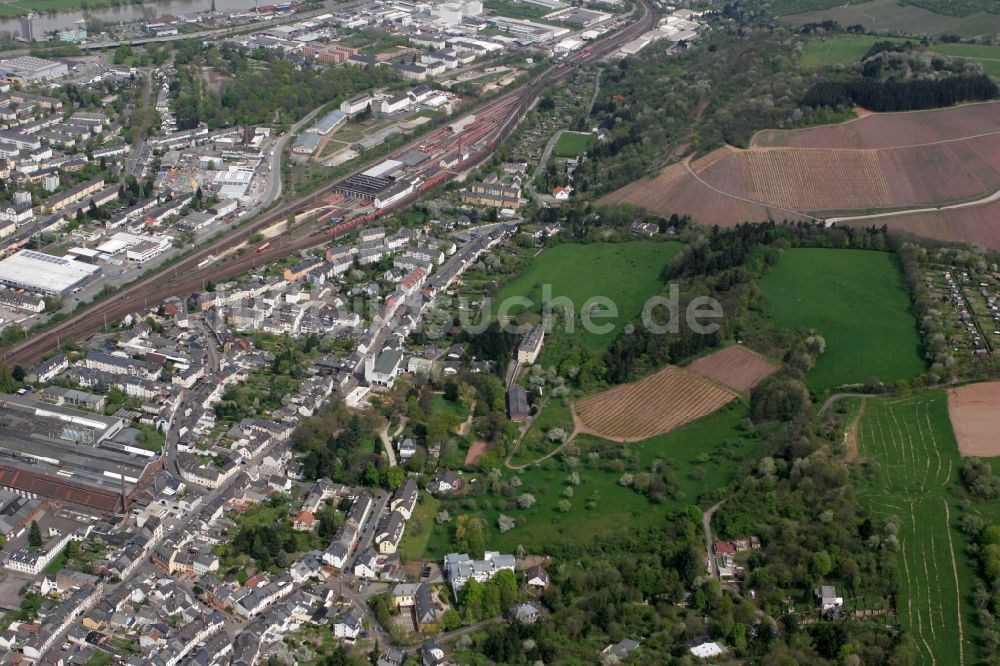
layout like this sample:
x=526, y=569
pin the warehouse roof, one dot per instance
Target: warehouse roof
x=43, y=272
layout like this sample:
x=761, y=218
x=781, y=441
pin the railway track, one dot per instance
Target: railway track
x=185, y=276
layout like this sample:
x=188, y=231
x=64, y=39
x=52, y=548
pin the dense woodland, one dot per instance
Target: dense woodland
x=893, y=95
x=655, y=108
x=231, y=85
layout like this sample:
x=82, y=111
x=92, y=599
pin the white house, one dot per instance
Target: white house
x=382, y=369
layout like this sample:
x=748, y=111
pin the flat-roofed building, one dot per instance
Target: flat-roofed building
x=44, y=273
x=68, y=455
x=30, y=69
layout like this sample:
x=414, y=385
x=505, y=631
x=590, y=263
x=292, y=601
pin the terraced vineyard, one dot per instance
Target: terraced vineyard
x=911, y=445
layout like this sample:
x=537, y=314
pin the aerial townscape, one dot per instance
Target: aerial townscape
x=489, y=332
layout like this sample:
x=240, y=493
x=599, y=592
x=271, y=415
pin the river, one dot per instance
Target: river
x=126, y=13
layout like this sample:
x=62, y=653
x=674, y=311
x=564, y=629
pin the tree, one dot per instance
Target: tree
x=526, y=500
x=505, y=523
x=7, y=383
x=35, y=535
x=472, y=600
x=451, y=620
x=394, y=477
x=18, y=373
x=506, y=582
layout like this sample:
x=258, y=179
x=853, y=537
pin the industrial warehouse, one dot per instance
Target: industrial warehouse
x=64, y=454
x=44, y=273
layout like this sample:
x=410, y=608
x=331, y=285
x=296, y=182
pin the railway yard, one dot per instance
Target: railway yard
x=474, y=142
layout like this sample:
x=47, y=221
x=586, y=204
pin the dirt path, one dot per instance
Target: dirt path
x=386, y=438
x=466, y=427
x=840, y=396
x=577, y=429
x=851, y=435
x=706, y=526
x=954, y=571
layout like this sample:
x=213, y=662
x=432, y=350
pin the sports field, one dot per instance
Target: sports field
x=857, y=301
x=910, y=444
x=571, y=144
x=627, y=273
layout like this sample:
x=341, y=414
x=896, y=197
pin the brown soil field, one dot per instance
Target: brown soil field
x=475, y=452
x=979, y=225
x=811, y=179
x=890, y=130
x=736, y=367
x=674, y=190
x=651, y=406
x=878, y=162
x=975, y=417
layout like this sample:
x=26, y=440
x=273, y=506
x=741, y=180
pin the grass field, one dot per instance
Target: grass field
x=702, y=456
x=857, y=301
x=456, y=408
x=535, y=444
x=627, y=273
x=910, y=444
x=838, y=50
x=572, y=144
x=987, y=55
x=845, y=49
x=893, y=16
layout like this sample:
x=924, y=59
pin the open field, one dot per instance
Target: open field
x=571, y=144
x=909, y=446
x=736, y=367
x=877, y=163
x=627, y=273
x=975, y=416
x=839, y=49
x=987, y=55
x=857, y=301
x=888, y=16
x=651, y=406
x=842, y=49
x=702, y=457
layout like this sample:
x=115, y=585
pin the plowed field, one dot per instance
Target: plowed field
x=736, y=367
x=651, y=406
x=975, y=417
x=890, y=130
x=975, y=224
x=876, y=163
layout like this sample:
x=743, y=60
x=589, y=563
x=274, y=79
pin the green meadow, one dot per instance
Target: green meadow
x=857, y=301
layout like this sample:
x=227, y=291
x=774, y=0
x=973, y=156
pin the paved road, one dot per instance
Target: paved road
x=274, y=179
x=545, y=199
x=706, y=526
x=984, y=201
